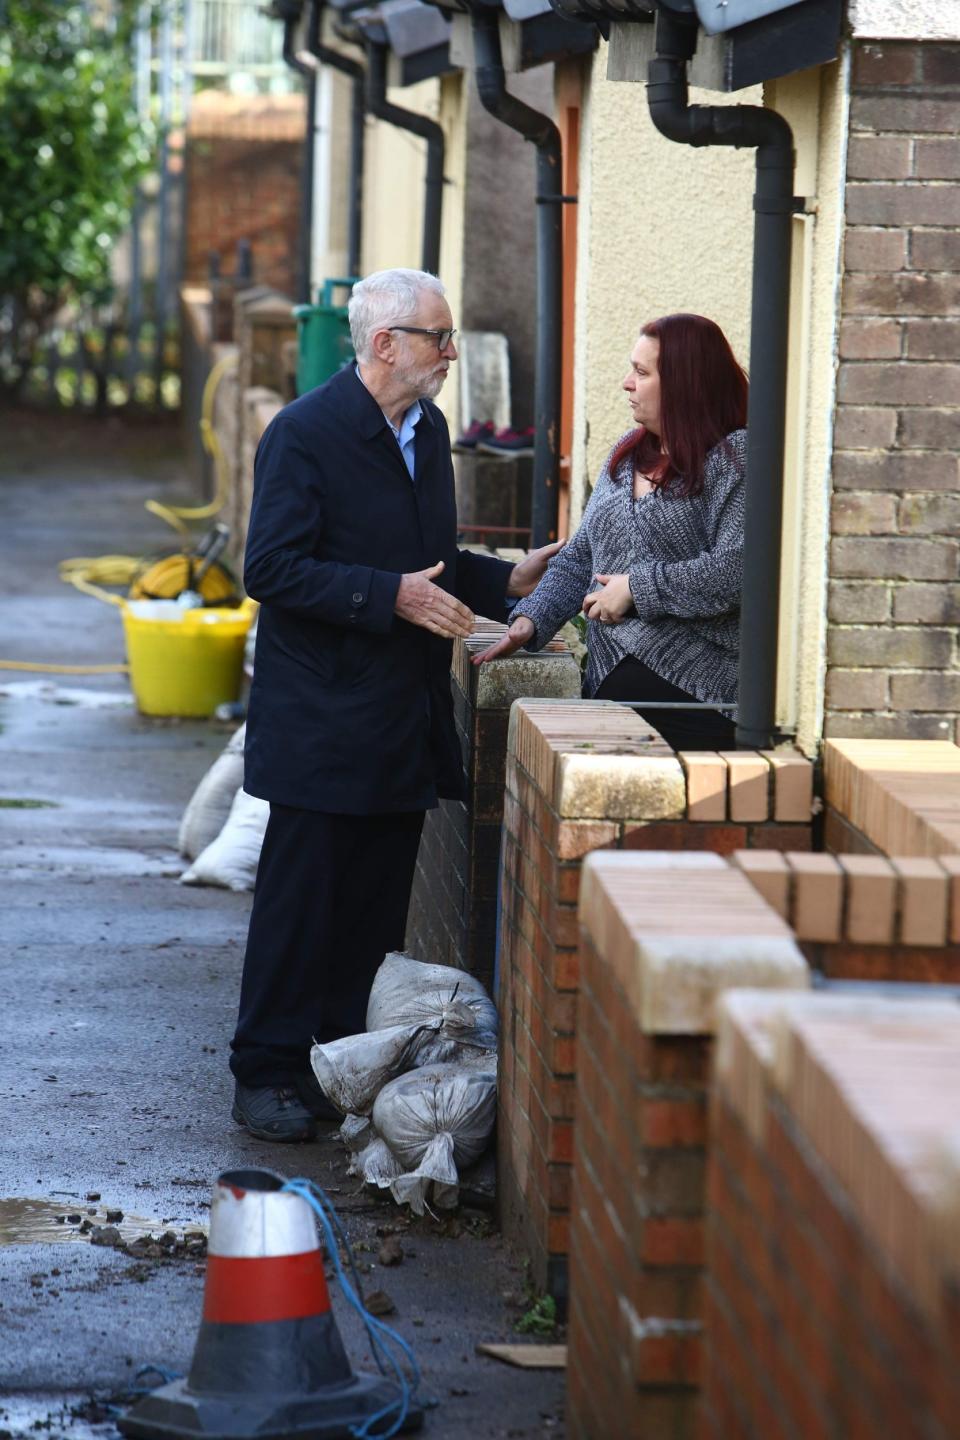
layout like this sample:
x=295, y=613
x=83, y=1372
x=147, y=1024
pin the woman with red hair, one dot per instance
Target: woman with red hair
x=662, y=537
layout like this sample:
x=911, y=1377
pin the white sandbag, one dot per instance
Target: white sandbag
x=356, y=1132
x=209, y=805
x=407, y=992
x=435, y=1119
x=352, y=1071
x=376, y=1164
x=231, y=860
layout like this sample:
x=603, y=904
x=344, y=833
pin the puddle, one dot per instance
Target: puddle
x=42, y=1222
x=64, y=695
x=84, y=859
x=77, y=1416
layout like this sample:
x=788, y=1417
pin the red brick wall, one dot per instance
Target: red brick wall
x=894, y=595
x=580, y=777
x=828, y=1315
x=244, y=182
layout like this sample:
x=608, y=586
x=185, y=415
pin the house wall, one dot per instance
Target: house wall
x=893, y=662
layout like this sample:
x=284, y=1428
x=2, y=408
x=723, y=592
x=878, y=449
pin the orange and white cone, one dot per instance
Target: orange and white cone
x=268, y=1361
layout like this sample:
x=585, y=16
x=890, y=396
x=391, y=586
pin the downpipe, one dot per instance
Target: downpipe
x=291, y=16
x=541, y=131
x=358, y=109
x=773, y=204
x=427, y=129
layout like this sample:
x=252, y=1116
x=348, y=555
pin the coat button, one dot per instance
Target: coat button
x=358, y=597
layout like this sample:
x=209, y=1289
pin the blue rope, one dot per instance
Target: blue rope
x=389, y=1349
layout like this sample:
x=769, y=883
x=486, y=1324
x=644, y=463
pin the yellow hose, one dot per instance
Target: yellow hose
x=176, y=514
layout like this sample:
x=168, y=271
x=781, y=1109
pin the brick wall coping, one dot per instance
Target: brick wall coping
x=860, y=899
x=678, y=928
x=903, y=795
x=596, y=759
x=872, y=1085
x=494, y=686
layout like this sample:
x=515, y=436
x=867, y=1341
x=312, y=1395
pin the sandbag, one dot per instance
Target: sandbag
x=231, y=860
x=209, y=805
x=376, y=1164
x=409, y=992
x=435, y=1119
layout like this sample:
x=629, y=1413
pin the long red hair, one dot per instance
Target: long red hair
x=703, y=397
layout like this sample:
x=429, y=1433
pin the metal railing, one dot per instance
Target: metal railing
x=226, y=36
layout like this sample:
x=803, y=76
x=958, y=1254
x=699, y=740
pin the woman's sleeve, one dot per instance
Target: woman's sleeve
x=709, y=584
x=559, y=596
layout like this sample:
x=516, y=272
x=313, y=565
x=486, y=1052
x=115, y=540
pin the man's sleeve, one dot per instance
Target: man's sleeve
x=482, y=583
x=286, y=518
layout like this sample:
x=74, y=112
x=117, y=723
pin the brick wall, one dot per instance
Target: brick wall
x=582, y=777
x=831, y=1302
x=649, y=975
x=244, y=182
x=892, y=798
x=894, y=598
x=453, y=905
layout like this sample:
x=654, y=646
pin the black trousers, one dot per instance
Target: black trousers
x=330, y=900
x=683, y=729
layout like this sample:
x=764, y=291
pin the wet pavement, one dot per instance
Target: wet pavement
x=118, y=990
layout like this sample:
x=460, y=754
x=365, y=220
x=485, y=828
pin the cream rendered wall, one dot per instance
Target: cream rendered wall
x=661, y=227
x=814, y=102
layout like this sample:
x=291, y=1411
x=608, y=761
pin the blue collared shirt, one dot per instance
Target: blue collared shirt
x=406, y=435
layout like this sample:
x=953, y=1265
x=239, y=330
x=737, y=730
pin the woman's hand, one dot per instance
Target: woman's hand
x=522, y=630
x=528, y=572
x=610, y=604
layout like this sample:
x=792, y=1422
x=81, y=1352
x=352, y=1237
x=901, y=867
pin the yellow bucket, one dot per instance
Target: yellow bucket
x=187, y=663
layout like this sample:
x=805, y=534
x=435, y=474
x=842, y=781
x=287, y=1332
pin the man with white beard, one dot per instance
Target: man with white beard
x=352, y=553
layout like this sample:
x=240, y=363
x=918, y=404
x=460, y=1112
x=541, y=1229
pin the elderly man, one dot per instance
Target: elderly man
x=352, y=553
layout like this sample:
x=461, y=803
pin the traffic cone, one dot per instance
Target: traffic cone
x=268, y=1361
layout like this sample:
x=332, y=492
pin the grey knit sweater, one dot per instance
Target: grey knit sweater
x=684, y=559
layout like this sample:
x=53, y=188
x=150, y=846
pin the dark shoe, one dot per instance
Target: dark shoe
x=273, y=1112
x=477, y=430
x=311, y=1096
x=508, y=442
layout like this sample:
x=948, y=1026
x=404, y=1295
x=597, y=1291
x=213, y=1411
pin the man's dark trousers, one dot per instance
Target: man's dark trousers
x=330, y=901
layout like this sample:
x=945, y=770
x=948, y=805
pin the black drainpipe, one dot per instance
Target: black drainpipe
x=289, y=11
x=352, y=68
x=542, y=132
x=429, y=130
x=773, y=204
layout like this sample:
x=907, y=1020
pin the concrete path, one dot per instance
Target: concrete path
x=118, y=990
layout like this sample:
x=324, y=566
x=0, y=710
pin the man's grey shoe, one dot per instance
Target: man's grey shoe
x=273, y=1112
x=311, y=1095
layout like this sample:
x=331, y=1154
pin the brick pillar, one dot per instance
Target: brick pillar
x=894, y=596
x=453, y=906
x=833, y=1234
x=650, y=972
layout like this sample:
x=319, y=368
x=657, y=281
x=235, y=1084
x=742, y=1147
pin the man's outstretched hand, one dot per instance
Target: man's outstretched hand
x=516, y=637
x=528, y=572
x=422, y=603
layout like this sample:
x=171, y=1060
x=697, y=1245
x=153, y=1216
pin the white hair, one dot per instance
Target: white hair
x=388, y=297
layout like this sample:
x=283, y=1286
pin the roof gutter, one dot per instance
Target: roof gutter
x=427, y=129
x=773, y=204
x=541, y=131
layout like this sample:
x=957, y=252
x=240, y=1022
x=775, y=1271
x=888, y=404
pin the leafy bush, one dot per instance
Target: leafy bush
x=72, y=150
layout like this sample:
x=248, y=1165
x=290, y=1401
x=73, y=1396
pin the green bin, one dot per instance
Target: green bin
x=323, y=335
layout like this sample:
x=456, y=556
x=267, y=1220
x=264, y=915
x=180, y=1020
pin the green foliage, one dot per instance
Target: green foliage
x=72, y=150
x=540, y=1319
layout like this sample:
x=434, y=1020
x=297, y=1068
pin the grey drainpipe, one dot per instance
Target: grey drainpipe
x=773, y=203
x=429, y=130
x=357, y=75
x=542, y=132
x=289, y=10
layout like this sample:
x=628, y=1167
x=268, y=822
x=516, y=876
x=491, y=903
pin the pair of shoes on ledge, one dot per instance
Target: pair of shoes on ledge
x=481, y=435
x=283, y=1113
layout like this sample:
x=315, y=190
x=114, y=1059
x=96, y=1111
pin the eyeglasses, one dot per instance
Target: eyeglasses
x=442, y=337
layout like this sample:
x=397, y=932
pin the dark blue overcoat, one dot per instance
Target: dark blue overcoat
x=350, y=707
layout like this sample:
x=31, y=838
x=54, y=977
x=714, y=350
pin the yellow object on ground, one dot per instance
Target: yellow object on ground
x=186, y=665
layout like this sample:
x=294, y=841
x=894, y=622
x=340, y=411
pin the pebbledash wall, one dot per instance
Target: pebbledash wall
x=893, y=661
